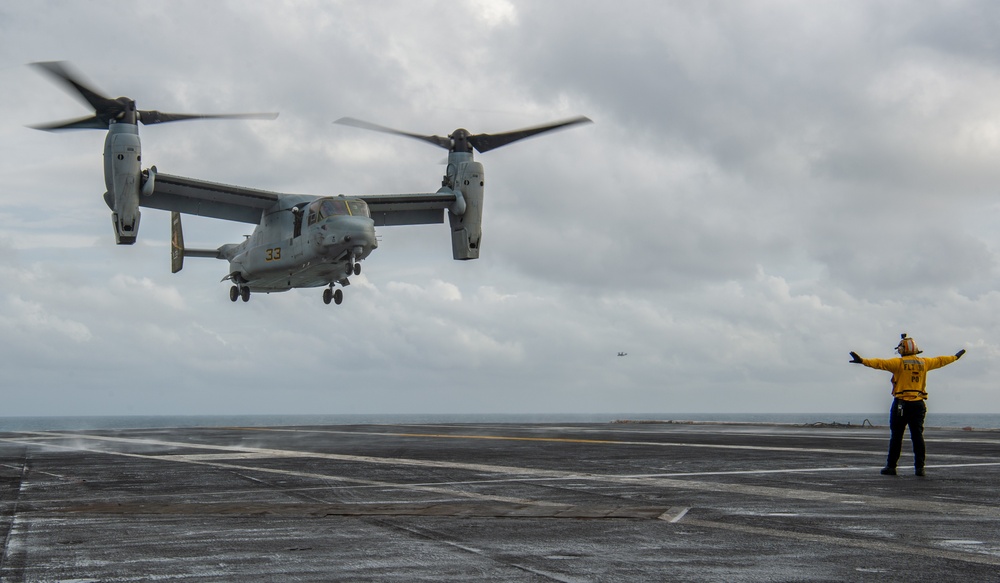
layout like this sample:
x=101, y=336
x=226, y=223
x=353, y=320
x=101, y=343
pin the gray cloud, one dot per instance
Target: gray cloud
x=766, y=187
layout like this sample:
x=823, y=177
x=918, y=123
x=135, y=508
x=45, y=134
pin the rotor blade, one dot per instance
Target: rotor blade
x=357, y=123
x=61, y=72
x=149, y=117
x=84, y=123
x=487, y=142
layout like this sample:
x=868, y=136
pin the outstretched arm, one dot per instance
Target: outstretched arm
x=939, y=361
x=890, y=364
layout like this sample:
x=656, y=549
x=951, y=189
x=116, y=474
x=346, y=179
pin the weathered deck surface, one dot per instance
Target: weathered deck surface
x=569, y=502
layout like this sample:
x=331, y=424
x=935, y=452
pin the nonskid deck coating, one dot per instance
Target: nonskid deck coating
x=498, y=502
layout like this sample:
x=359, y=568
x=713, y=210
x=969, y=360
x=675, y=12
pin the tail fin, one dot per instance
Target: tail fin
x=176, y=243
x=177, y=249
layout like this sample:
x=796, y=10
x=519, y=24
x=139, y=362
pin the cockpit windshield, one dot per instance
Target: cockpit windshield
x=331, y=207
x=358, y=208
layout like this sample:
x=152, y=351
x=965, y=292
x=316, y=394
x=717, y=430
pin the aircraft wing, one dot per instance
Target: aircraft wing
x=408, y=209
x=238, y=203
x=208, y=199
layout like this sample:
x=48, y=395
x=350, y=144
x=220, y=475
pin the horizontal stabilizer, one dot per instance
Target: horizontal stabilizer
x=210, y=253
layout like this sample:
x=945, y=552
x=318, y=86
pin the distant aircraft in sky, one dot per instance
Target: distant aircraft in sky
x=622, y=354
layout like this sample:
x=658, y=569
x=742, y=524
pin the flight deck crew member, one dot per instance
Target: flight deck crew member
x=909, y=391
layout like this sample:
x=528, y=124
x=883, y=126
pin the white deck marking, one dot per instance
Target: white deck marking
x=800, y=470
x=862, y=543
x=275, y=454
x=515, y=473
x=198, y=457
x=573, y=440
x=529, y=474
x=673, y=514
x=877, y=435
x=880, y=439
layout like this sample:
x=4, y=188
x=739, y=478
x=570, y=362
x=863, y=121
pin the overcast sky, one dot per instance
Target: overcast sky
x=767, y=186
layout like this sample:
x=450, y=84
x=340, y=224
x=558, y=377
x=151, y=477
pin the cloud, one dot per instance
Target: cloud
x=28, y=319
x=766, y=186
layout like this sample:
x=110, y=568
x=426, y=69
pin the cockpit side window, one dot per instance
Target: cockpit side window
x=314, y=211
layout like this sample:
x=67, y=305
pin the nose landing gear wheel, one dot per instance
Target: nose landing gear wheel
x=234, y=293
x=245, y=294
x=338, y=296
x=357, y=269
x=327, y=296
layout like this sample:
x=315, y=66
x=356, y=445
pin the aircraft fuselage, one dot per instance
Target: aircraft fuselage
x=305, y=242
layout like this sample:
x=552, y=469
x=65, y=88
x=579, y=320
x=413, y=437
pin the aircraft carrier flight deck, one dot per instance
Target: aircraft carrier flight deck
x=570, y=502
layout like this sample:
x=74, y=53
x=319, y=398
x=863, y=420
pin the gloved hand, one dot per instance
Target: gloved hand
x=857, y=359
x=960, y=353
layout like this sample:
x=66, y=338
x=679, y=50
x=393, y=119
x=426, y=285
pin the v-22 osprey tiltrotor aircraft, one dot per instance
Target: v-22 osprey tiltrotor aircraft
x=299, y=240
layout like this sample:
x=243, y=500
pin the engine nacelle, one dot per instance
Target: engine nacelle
x=122, y=177
x=467, y=179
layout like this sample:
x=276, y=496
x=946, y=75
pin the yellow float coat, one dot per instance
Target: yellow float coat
x=909, y=373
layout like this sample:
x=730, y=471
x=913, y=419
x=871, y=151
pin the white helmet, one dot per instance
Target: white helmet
x=907, y=346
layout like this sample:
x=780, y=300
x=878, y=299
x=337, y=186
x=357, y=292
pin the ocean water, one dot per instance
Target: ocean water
x=977, y=421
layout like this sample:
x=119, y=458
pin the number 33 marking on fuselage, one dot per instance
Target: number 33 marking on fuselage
x=273, y=254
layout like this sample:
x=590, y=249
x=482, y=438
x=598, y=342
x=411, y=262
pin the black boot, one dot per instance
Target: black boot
x=887, y=471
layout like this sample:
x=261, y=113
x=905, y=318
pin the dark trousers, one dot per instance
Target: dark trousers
x=903, y=414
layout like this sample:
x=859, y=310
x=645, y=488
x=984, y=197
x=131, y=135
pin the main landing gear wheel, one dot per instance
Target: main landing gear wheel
x=237, y=292
x=336, y=296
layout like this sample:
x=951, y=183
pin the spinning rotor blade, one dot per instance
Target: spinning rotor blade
x=462, y=141
x=61, y=72
x=107, y=110
x=84, y=123
x=149, y=117
x=487, y=142
x=357, y=123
